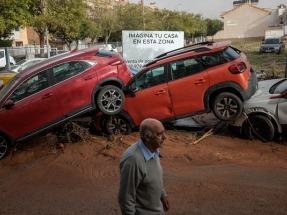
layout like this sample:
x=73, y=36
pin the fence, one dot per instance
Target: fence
x=32, y=51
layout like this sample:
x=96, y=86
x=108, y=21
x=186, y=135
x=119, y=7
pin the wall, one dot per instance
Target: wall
x=245, y=21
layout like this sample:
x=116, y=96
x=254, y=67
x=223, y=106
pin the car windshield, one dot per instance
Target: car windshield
x=21, y=62
x=271, y=41
x=279, y=87
x=8, y=86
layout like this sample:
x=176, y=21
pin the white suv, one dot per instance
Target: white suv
x=3, y=58
x=109, y=47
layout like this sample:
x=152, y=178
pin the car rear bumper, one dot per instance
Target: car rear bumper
x=252, y=85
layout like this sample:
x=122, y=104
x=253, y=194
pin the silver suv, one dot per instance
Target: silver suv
x=272, y=45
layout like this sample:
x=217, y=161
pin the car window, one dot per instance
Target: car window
x=215, y=59
x=31, y=86
x=231, y=53
x=151, y=78
x=1, y=54
x=184, y=68
x=68, y=70
x=272, y=41
x=279, y=87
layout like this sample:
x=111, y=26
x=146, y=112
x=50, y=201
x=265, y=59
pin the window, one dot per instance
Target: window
x=19, y=43
x=68, y=70
x=231, y=22
x=151, y=78
x=216, y=59
x=31, y=86
x=184, y=68
x=1, y=54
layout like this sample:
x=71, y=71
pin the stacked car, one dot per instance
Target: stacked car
x=205, y=77
x=58, y=89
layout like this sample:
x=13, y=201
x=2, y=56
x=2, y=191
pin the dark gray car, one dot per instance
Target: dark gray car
x=272, y=45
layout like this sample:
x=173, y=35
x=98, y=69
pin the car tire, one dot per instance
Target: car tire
x=4, y=147
x=227, y=106
x=116, y=124
x=259, y=127
x=110, y=100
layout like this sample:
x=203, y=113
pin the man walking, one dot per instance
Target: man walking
x=141, y=186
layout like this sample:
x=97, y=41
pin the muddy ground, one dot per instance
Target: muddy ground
x=204, y=173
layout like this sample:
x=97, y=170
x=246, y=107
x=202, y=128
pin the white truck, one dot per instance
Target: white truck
x=3, y=59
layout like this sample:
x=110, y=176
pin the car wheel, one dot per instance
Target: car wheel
x=260, y=127
x=110, y=100
x=227, y=106
x=116, y=124
x=4, y=147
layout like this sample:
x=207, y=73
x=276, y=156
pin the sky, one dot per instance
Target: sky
x=208, y=8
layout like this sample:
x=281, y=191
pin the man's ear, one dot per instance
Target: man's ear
x=147, y=138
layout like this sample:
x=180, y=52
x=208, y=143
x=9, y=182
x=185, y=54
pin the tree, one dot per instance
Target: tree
x=213, y=26
x=66, y=20
x=39, y=20
x=14, y=14
x=105, y=18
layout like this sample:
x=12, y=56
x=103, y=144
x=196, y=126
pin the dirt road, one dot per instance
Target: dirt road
x=217, y=175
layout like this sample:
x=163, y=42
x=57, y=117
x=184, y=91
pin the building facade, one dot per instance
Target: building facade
x=246, y=20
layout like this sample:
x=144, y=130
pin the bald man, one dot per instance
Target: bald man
x=141, y=185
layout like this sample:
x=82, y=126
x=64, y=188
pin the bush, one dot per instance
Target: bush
x=6, y=43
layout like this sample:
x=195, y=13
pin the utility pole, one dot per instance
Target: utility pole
x=43, y=6
x=142, y=1
x=47, y=41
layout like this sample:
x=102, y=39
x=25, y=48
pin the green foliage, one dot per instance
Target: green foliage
x=213, y=26
x=73, y=20
x=66, y=19
x=14, y=14
x=6, y=43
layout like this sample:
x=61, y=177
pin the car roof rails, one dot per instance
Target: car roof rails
x=185, y=48
x=194, y=47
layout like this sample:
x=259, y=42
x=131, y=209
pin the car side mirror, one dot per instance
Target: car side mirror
x=8, y=104
x=132, y=91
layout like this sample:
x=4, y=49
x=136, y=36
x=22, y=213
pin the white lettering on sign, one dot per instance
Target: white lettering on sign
x=141, y=47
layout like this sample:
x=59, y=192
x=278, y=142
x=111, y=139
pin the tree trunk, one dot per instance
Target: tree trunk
x=42, y=44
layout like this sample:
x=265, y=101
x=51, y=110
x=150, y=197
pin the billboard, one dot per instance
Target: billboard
x=140, y=47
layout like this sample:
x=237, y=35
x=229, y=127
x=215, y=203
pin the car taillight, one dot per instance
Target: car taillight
x=237, y=68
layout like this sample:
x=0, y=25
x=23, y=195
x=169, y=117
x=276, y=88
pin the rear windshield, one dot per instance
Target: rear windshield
x=231, y=53
x=217, y=58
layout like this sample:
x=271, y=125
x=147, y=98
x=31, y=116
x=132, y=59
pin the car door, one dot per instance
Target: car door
x=151, y=98
x=187, y=86
x=35, y=107
x=74, y=82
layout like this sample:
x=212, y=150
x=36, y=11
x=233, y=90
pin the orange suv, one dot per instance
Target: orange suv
x=196, y=79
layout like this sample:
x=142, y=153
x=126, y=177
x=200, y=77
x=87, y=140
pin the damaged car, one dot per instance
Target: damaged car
x=265, y=113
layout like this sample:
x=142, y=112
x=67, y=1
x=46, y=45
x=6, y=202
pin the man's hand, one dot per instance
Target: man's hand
x=165, y=204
